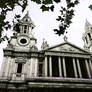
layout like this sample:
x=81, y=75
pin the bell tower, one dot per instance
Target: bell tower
x=87, y=37
x=20, y=56
x=25, y=34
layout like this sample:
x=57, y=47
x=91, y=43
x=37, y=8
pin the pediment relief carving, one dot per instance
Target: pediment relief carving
x=67, y=48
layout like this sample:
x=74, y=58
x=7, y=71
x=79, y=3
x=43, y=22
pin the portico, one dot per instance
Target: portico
x=67, y=66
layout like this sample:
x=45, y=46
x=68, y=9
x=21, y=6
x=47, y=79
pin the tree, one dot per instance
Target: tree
x=67, y=13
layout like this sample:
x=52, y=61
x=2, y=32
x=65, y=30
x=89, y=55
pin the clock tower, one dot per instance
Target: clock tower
x=25, y=35
x=20, y=56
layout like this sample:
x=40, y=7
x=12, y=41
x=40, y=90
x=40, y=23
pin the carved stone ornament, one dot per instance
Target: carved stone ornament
x=33, y=48
x=20, y=60
x=65, y=38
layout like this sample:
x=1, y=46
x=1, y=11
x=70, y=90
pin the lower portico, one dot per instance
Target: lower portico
x=72, y=66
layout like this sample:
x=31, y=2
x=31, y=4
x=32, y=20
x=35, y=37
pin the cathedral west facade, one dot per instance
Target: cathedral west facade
x=60, y=68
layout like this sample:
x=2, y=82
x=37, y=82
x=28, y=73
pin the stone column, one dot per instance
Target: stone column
x=90, y=62
x=36, y=67
x=75, y=69
x=79, y=69
x=20, y=29
x=15, y=65
x=59, y=64
x=88, y=71
x=64, y=66
x=50, y=66
x=45, y=65
x=2, y=72
x=31, y=63
x=7, y=66
x=28, y=68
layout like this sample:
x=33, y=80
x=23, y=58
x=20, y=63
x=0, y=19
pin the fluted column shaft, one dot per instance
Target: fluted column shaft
x=60, y=68
x=64, y=66
x=75, y=68
x=50, y=66
x=79, y=69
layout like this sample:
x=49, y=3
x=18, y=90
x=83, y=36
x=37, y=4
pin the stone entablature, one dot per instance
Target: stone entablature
x=68, y=54
x=23, y=54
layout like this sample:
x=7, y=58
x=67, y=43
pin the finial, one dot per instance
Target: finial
x=65, y=38
x=43, y=40
x=87, y=23
x=44, y=44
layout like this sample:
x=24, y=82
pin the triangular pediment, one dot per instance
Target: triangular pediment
x=66, y=47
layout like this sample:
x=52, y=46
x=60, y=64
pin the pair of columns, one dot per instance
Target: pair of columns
x=77, y=68
x=50, y=67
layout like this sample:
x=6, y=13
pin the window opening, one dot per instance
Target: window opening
x=89, y=36
x=25, y=28
x=26, y=20
x=86, y=40
x=19, y=69
x=23, y=41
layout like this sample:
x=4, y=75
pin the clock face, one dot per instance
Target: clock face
x=23, y=40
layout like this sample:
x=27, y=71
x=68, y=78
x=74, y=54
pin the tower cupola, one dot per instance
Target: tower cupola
x=87, y=37
x=25, y=26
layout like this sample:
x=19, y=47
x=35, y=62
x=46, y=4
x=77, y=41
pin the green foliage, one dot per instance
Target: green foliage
x=47, y=2
x=3, y=38
x=46, y=8
x=64, y=18
x=90, y=6
x=57, y=1
x=37, y=1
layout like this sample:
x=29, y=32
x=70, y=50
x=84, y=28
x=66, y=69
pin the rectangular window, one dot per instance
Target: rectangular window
x=19, y=69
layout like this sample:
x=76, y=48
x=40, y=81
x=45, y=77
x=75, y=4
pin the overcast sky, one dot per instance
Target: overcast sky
x=46, y=22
